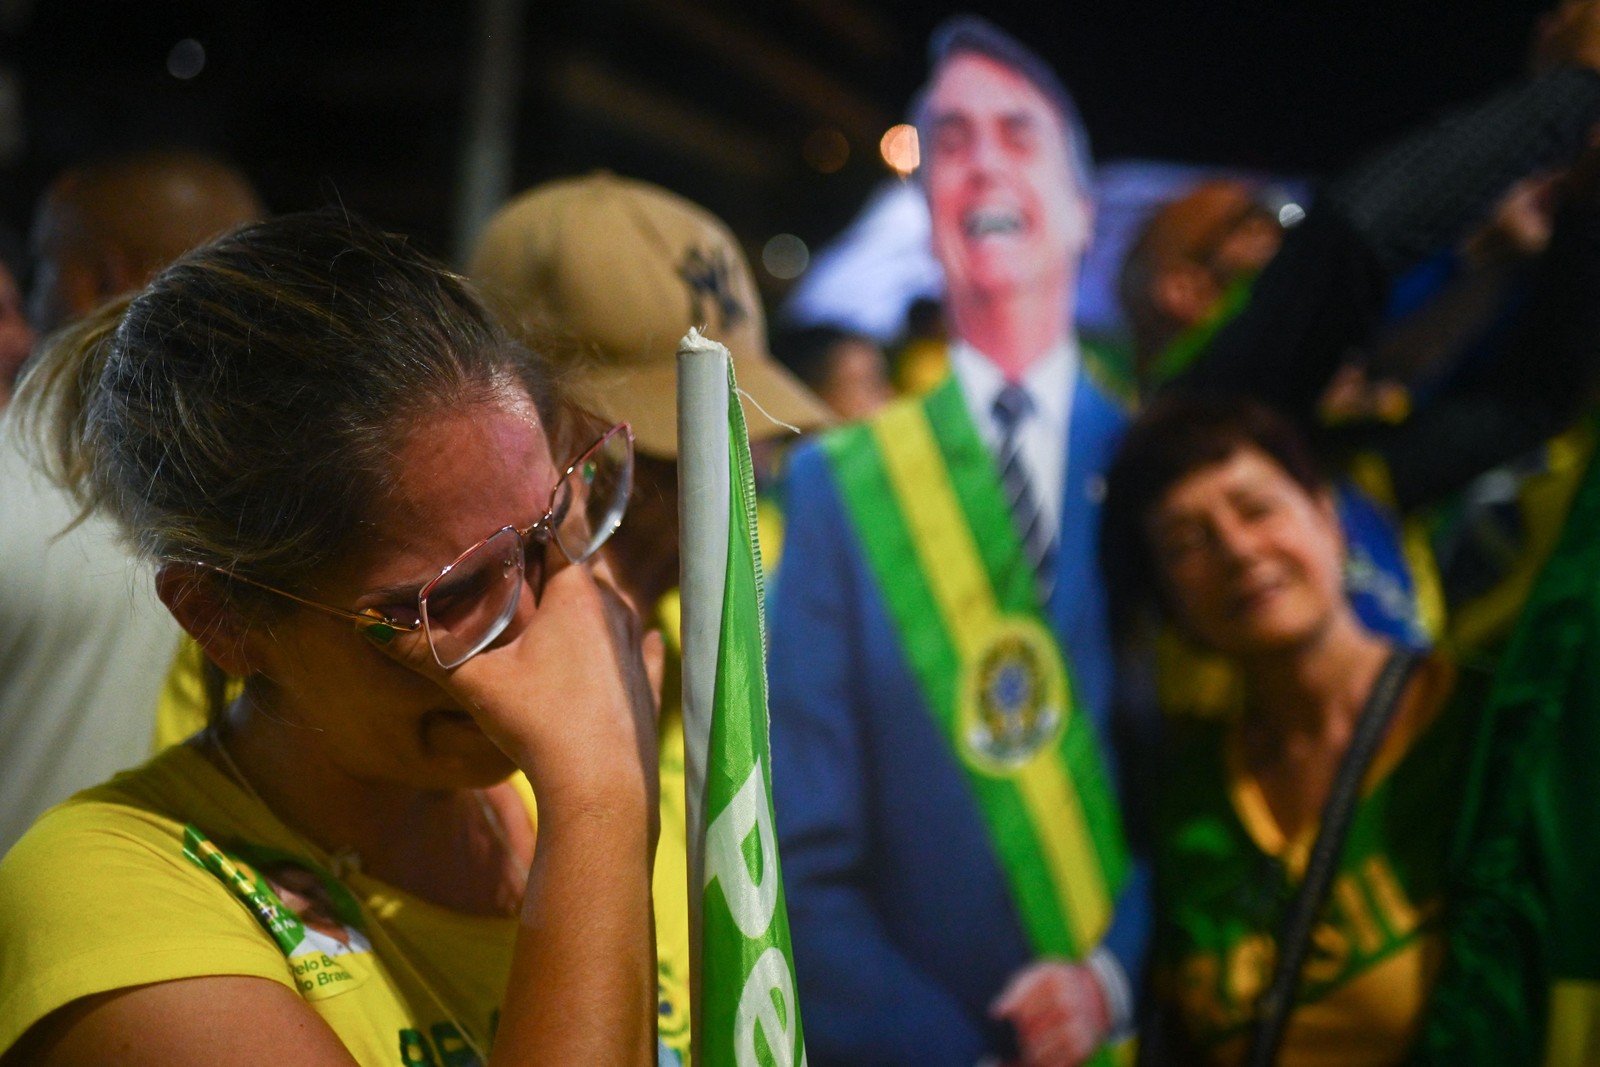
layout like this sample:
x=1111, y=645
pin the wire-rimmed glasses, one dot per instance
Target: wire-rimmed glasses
x=470, y=602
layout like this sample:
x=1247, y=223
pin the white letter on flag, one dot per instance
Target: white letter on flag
x=752, y=903
x=757, y=1007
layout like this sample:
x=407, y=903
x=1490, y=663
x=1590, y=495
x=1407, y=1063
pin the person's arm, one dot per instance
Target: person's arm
x=1325, y=291
x=865, y=1002
x=574, y=705
x=1539, y=381
x=216, y=1019
x=582, y=986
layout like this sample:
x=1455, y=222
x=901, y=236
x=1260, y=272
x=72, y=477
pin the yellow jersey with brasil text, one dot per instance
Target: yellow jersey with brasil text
x=1226, y=873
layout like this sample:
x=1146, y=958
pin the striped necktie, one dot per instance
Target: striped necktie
x=1012, y=405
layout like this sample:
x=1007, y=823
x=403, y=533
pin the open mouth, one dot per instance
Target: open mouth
x=985, y=222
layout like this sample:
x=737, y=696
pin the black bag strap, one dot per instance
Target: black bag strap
x=1272, y=1010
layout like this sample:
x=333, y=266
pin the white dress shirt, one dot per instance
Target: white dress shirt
x=1044, y=432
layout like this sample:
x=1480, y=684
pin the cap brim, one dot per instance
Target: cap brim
x=646, y=398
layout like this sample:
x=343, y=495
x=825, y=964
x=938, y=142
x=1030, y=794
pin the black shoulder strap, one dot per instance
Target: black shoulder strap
x=1272, y=1010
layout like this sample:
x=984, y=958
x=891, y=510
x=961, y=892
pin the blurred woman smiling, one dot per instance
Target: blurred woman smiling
x=1217, y=519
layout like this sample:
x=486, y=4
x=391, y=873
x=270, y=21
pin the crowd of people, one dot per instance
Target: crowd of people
x=1235, y=716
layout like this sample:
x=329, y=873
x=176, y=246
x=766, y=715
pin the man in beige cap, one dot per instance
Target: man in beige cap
x=624, y=268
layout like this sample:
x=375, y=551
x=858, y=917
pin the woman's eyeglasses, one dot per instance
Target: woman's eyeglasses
x=470, y=602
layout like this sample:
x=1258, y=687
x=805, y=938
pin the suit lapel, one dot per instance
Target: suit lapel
x=1092, y=436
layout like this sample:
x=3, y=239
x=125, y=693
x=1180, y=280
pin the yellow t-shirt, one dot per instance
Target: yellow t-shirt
x=670, y=885
x=171, y=871
x=1228, y=869
x=181, y=713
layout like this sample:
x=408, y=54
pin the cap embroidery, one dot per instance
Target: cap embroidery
x=709, y=277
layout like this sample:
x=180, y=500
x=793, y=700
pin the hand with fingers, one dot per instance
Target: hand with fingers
x=570, y=692
x=1059, y=1011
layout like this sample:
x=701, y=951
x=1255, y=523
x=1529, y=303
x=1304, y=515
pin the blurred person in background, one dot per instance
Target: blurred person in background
x=1548, y=682
x=16, y=332
x=620, y=270
x=1426, y=943
x=1517, y=800
x=1221, y=297
x=939, y=654
x=1192, y=263
x=1218, y=293
x=921, y=352
x=84, y=646
x=106, y=227
x=846, y=370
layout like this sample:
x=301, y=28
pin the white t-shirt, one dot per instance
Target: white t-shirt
x=84, y=646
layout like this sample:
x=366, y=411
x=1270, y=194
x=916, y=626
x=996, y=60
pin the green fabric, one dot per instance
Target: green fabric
x=749, y=1009
x=1187, y=346
x=1547, y=673
x=1108, y=362
x=872, y=500
x=1535, y=792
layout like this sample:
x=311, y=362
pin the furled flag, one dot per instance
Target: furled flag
x=745, y=1008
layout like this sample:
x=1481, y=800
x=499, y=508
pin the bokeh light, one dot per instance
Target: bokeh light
x=826, y=150
x=187, y=58
x=900, y=150
x=786, y=257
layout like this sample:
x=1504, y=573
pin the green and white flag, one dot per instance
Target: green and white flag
x=744, y=1003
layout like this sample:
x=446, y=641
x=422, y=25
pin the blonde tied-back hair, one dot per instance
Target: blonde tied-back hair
x=242, y=411
x=50, y=396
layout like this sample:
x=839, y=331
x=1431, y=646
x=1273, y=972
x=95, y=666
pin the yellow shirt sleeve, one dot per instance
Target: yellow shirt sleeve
x=97, y=897
x=113, y=889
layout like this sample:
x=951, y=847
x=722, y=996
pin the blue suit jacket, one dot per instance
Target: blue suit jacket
x=903, y=923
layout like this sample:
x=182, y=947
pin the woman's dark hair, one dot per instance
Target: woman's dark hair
x=243, y=410
x=1176, y=435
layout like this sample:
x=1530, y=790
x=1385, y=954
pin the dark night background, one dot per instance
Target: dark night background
x=364, y=100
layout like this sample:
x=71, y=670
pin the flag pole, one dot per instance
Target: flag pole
x=704, y=500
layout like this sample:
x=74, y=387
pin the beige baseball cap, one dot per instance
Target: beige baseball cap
x=626, y=268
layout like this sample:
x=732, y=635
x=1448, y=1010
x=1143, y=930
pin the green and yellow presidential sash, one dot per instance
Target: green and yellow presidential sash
x=933, y=521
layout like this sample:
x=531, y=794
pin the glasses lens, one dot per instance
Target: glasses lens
x=469, y=605
x=592, y=498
